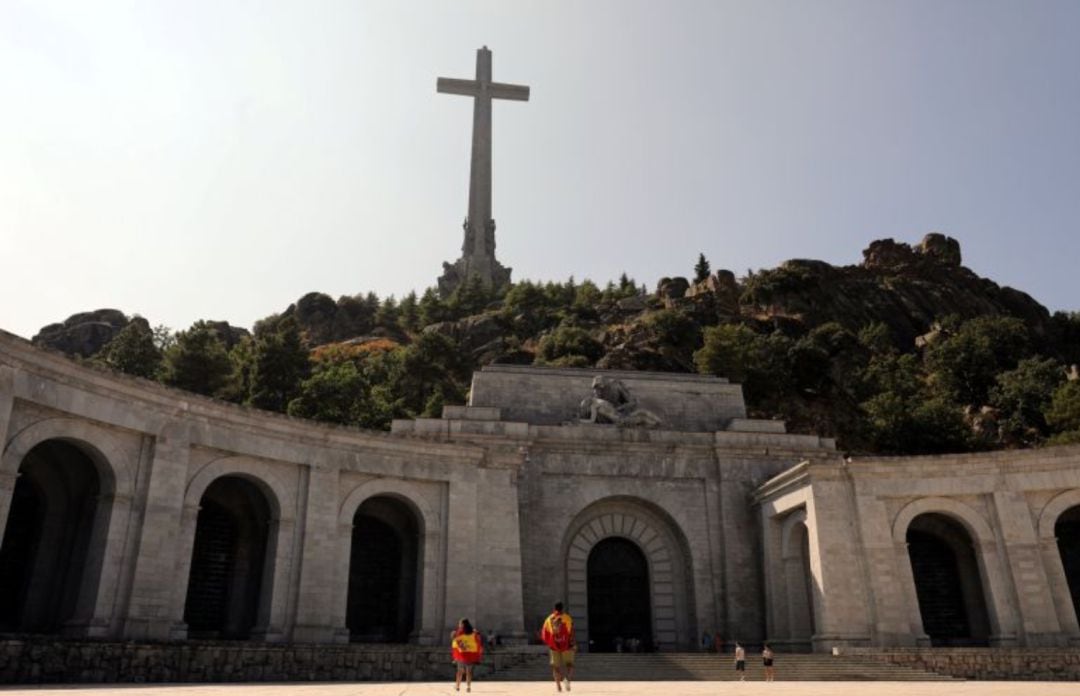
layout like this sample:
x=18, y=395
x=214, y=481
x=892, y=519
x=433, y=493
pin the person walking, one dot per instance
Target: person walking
x=466, y=648
x=767, y=660
x=558, y=635
x=740, y=660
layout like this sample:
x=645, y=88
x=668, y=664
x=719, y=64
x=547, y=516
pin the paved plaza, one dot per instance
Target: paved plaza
x=591, y=688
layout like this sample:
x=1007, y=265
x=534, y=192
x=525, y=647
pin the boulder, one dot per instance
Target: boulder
x=886, y=253
x=83, y=334
x=672, y=288
x=939, y=248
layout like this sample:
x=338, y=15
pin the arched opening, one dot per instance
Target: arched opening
x=1067, y=531
x=620, y=618
x=47, y=540
x=229, y=561
x=384, y=566
x=948, y=583
x=800, y=586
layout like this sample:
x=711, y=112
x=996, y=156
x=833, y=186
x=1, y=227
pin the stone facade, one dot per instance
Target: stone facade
x=130, y=511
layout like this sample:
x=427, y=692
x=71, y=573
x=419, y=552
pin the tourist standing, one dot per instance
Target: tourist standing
x=558, y=635
x=767, y=660
x=466, y=648
x=740, y=661
x=706, y=642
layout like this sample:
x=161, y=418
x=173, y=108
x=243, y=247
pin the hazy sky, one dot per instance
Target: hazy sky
x=187, y=160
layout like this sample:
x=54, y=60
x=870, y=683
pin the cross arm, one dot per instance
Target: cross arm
x=501, y=90
x=450, y=85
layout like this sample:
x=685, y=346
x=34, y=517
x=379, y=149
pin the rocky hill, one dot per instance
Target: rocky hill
x=907, y=351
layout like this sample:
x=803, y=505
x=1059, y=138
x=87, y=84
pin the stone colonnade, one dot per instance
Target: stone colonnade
x=155, y=453
x=873, y=527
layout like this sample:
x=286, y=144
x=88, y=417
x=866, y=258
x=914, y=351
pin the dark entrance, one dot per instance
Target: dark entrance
x=228, y=561
x=618, y=589
x=947, y=582
x=383, y=571
x=47, y=540
x=1067, y=531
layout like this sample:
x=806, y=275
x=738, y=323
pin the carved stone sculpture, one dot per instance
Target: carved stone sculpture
x=611, y=402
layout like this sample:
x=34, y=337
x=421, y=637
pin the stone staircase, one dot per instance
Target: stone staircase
x=711, y=667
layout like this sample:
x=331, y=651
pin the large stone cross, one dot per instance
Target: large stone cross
x=478, y=250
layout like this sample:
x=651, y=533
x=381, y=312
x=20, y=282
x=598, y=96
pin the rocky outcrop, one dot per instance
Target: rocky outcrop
x=908, y=288
x=479, y=335
x=82, y=334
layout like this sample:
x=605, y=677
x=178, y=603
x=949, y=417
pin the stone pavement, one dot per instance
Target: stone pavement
x=585, y=688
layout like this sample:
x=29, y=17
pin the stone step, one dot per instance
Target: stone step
x=706, y=667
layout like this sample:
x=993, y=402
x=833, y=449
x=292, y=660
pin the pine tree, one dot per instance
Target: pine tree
x=701, y=269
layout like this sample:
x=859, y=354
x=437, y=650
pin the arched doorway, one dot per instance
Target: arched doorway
x=383, y=599
x=1067, y=532
x=618, y=597
x=47, y=540
x=229, y=561
x=948, y=583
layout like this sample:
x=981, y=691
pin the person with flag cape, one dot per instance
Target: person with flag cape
x=466, y=649
x=558, y=635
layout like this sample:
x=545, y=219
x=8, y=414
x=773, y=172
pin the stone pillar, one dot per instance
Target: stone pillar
x=1004, y=621
x=1038, y=619
x=906, y=580
x=316, y=617
x=159, y=582
x=189, y=522
x=461, y=558
x=342, y=557
x=7, y=478
x=95, y=607
x=502, y=607
x=274, y=590
x=776, y=610
x=840, y=602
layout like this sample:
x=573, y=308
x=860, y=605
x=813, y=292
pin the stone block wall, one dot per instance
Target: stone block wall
x=990, y=664
x=46, y=661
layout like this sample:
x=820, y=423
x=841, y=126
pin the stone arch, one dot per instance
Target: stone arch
x=667, y=553
x=394, y=488
x=112, y=465
x=1054, y=509
x=259, y=473
x=975, y=524
x=427, y=616
x=101, y=555
x=273, y=600
x=991, y=580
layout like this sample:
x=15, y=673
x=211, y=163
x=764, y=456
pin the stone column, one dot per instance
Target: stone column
x=7, y=478
x=316, y=617
x=159, y=582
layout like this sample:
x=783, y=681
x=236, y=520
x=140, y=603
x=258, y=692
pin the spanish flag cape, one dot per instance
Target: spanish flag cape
x=558, y=632
x=466, y=647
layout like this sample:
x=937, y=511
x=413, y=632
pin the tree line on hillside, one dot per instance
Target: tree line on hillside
x=971, y=383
